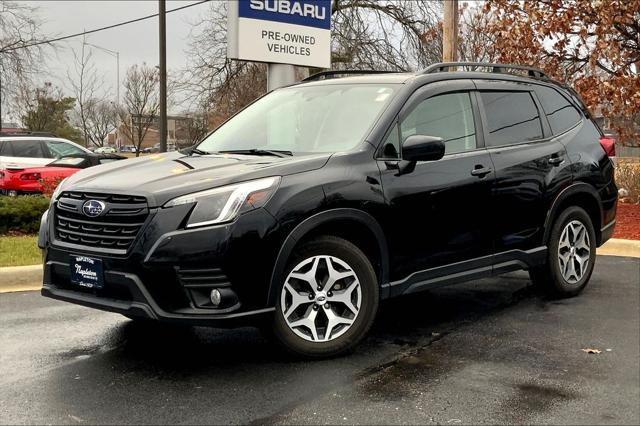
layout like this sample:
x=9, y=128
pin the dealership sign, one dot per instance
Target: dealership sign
x=296, y=32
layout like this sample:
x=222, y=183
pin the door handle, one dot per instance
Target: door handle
x=481, y=171
x=556, y=160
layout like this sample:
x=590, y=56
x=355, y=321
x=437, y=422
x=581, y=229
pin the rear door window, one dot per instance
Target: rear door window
x=512, y=117
x=27, y=148
x=5, y=149
x=562, y=115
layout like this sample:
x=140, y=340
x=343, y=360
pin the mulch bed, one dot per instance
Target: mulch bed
x=628, y=221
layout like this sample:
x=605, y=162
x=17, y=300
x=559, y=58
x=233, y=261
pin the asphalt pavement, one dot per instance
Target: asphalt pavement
x=491, y=351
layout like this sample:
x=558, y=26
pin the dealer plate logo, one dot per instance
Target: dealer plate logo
x=93, y=208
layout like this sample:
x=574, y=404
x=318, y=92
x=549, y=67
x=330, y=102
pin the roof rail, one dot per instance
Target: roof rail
x=497, y=68
x=29, y=133
x=325, y=75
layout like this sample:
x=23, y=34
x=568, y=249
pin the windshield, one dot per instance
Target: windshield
x=327, y=118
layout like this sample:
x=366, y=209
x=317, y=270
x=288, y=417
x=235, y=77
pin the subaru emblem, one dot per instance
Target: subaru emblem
x=93, y=208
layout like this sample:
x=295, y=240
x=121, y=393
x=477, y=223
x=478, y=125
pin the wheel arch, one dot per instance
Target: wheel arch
x=578, y=194
x=356, y=226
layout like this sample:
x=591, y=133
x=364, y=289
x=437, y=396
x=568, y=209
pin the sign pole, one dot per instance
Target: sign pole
x=280, y=75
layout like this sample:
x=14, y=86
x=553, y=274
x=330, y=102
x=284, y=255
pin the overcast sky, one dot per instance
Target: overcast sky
x=137, y=42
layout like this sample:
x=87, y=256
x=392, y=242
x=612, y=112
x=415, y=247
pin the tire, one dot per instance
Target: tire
x=344, y=308
x=556, y=276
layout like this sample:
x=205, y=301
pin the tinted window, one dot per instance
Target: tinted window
x=448, y=116
x=511, y=117
x=562, y=115
x=60, y=149
x=27, y=148
x=391, y=147
x=5, y=149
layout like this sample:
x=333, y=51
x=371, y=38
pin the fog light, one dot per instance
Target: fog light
x=215, y=297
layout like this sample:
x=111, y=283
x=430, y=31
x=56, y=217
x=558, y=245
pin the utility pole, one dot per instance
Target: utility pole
x=450, y=31
x=163, y=74
x=0, y=101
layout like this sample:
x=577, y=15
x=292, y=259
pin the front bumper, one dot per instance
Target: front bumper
x=167, y=273
x=142, y=305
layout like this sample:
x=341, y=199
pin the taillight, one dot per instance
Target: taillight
x=609, y=146
x=30, y=176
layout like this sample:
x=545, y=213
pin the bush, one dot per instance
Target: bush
x=21, y=214
x=628, y=177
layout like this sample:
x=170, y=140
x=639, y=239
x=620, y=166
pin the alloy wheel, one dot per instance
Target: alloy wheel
x=574, y=250
x=321, y=298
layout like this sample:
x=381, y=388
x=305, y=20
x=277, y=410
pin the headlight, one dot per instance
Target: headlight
x=58, y=190
x=223, y=204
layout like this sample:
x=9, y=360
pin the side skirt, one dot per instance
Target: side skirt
x=482, y=267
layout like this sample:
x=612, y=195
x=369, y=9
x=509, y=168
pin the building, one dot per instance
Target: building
x=180, y=132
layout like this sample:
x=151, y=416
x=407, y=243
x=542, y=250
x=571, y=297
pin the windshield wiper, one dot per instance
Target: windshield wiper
x=199, y=152
x=255, y=151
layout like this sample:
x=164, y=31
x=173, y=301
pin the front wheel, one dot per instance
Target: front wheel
x=571, y=256
x=328, y=299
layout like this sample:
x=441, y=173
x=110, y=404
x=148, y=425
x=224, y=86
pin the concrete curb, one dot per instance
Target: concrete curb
x=29, y=278
x=619, y=247
x=20, y=278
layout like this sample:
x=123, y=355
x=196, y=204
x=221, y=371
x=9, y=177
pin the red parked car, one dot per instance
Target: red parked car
x=32, y=180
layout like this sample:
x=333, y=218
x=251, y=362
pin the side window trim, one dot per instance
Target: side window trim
x=546, y=126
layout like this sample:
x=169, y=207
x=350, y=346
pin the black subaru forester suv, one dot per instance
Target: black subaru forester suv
x=304, y=210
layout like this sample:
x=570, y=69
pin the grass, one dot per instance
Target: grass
x=19, y=250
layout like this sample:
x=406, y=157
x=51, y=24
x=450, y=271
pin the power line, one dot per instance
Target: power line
x=53, y=40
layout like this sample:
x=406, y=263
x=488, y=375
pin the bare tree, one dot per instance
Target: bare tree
x=101, y=119
x=195, y=127
x=86, y=85
x=384, y=35
x=141, y=103
x=19, y=28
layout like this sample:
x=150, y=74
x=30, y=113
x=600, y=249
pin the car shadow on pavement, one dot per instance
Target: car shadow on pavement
x=148, y=364
x=401, y=322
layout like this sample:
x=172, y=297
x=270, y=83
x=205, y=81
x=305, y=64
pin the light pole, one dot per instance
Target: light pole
x=117, y=56
x=162, y=39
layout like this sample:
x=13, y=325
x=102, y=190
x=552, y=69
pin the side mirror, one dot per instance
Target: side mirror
x=422, y=148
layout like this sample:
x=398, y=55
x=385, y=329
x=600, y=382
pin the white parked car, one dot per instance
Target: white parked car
x=22, y=151
x=105, y=150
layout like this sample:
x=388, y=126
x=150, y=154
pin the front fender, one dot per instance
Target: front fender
x=314, y=222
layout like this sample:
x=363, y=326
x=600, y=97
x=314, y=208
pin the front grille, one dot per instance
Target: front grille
x=115, y=228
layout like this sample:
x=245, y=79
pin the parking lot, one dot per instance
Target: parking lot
x=492, y=351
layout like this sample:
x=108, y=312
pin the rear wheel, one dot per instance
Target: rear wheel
x=328, y=299
x=571, y=255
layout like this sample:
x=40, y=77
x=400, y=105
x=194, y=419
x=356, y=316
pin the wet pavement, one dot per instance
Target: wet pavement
x=492, y=351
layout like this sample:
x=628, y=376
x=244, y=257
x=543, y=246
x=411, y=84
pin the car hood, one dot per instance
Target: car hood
x=161, y=177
